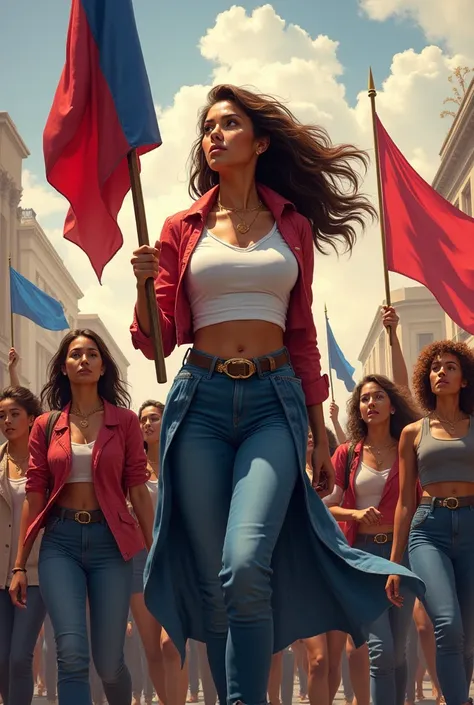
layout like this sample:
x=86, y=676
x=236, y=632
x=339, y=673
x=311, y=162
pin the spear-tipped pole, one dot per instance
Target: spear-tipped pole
x=329, y=353
x=372, y=94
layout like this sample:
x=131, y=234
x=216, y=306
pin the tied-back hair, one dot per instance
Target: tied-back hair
x=301, y=164
x=28, y=401
x=151, y=402
x=421, y=374
x=56, y=393
x=405, y=410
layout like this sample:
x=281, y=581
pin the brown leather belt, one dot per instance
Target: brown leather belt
x=379, y=539
x=239, y=367
x=449, y=502
x=82, y=516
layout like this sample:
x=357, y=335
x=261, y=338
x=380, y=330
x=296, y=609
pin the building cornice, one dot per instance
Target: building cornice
x=32, y=230
x=457, y=149
x=5, y=120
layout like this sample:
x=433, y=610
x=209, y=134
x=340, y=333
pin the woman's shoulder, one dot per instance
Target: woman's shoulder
x=412, y=430
x=126, y=416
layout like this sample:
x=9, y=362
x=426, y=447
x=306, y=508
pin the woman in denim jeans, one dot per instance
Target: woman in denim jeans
x=378, y=410
x=19, y=631
x=438, y=451
x=246, y=557
x=82, y=465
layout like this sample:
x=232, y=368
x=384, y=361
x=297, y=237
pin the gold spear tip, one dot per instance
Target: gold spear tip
x=371, y=80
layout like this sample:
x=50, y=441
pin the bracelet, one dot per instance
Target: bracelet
x=18, y=570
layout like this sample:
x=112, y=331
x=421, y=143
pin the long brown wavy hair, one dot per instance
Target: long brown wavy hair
x=405, y=409
x=301, y=164
x=56, y=393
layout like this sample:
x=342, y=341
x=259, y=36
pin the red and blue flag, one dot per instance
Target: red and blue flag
x=102, y=109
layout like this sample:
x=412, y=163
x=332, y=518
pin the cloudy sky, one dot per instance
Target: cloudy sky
x=314, y=55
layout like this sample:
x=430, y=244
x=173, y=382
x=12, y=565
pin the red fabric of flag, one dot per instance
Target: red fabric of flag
x=427, y=238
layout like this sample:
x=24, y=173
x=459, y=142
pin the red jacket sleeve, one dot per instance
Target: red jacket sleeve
x=339, y=461
x=302, y=341
x=135, y=470
x=38, y=475
x=166, y=285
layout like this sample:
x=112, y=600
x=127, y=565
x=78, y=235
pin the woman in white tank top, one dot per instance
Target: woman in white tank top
x=234, y=277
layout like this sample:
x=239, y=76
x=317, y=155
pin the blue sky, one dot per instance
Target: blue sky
x=33, y=35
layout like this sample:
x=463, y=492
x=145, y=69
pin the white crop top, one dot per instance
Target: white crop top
x=369, y=486
x=81, y=466
x=229, y=283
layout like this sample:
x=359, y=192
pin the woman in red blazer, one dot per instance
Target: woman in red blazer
x=77, y=484
x=245, y=555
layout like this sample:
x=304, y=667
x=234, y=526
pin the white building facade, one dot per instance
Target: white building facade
x=33, y=255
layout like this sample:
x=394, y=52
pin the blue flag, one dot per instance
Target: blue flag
x=29, y=301
x=338, y=362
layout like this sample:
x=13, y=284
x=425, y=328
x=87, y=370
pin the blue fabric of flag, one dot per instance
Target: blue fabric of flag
x=343, y=369
x=29, y=301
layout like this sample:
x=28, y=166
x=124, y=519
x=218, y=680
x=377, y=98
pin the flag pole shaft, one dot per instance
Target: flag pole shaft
x=12, y=327
x=143, y=239
x=372, y=94
x=329, y=356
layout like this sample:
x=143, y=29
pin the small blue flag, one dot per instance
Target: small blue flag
x=338, y=362
x=29, y=301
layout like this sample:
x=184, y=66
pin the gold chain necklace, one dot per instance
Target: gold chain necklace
x=378, y=454
x=84, y=423
x=17, y=463
x=450, y=424
x=242, y=227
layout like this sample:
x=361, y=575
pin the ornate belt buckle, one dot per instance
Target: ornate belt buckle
x=251, y=368
x=451, y=502
x=83, y=517
x=380, y=538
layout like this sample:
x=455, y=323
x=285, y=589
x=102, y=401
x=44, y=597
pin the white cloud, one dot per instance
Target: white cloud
x=40, y=196
x=441, y=20
x=260, y=49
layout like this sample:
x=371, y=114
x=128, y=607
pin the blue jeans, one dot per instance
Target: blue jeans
x=80, y=563
x=50, y=660
x=19, y=630
x=234, y=470
x=442, y=553
x=387, y=640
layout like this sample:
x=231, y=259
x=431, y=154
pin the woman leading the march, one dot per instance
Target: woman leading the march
x=241, y=541
x=438, y=451
x=81, y=467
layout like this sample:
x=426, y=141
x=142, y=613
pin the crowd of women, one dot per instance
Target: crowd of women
x=231, y=517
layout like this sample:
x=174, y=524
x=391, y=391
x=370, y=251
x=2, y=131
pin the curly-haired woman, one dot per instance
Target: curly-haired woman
x=245, y=555
x=364, y=502
x=438, y=451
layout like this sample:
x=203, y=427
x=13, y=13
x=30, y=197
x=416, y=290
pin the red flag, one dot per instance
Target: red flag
x=102, y=109
x=427, y=238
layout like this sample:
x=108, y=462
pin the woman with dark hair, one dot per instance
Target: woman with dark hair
x=241, y=543
x=83, y=462
x=438, y=452
x=18, y=630
x=171, y=683
x=364, y=503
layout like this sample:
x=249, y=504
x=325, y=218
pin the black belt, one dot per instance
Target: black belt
x=238, y=367
x=449, y=502
x=379, y=539
x=82, y=516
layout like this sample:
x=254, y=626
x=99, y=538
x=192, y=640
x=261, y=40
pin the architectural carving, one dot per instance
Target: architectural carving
x=15, y=196
x=6, y=182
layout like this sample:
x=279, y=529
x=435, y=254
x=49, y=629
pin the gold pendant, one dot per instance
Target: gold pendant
x=243, y=228
x=84, y=423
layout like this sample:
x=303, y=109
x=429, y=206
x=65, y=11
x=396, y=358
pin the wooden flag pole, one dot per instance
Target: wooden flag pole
x=372, y=94
x=329, y=355
x=143, y=239
x=12, y=327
